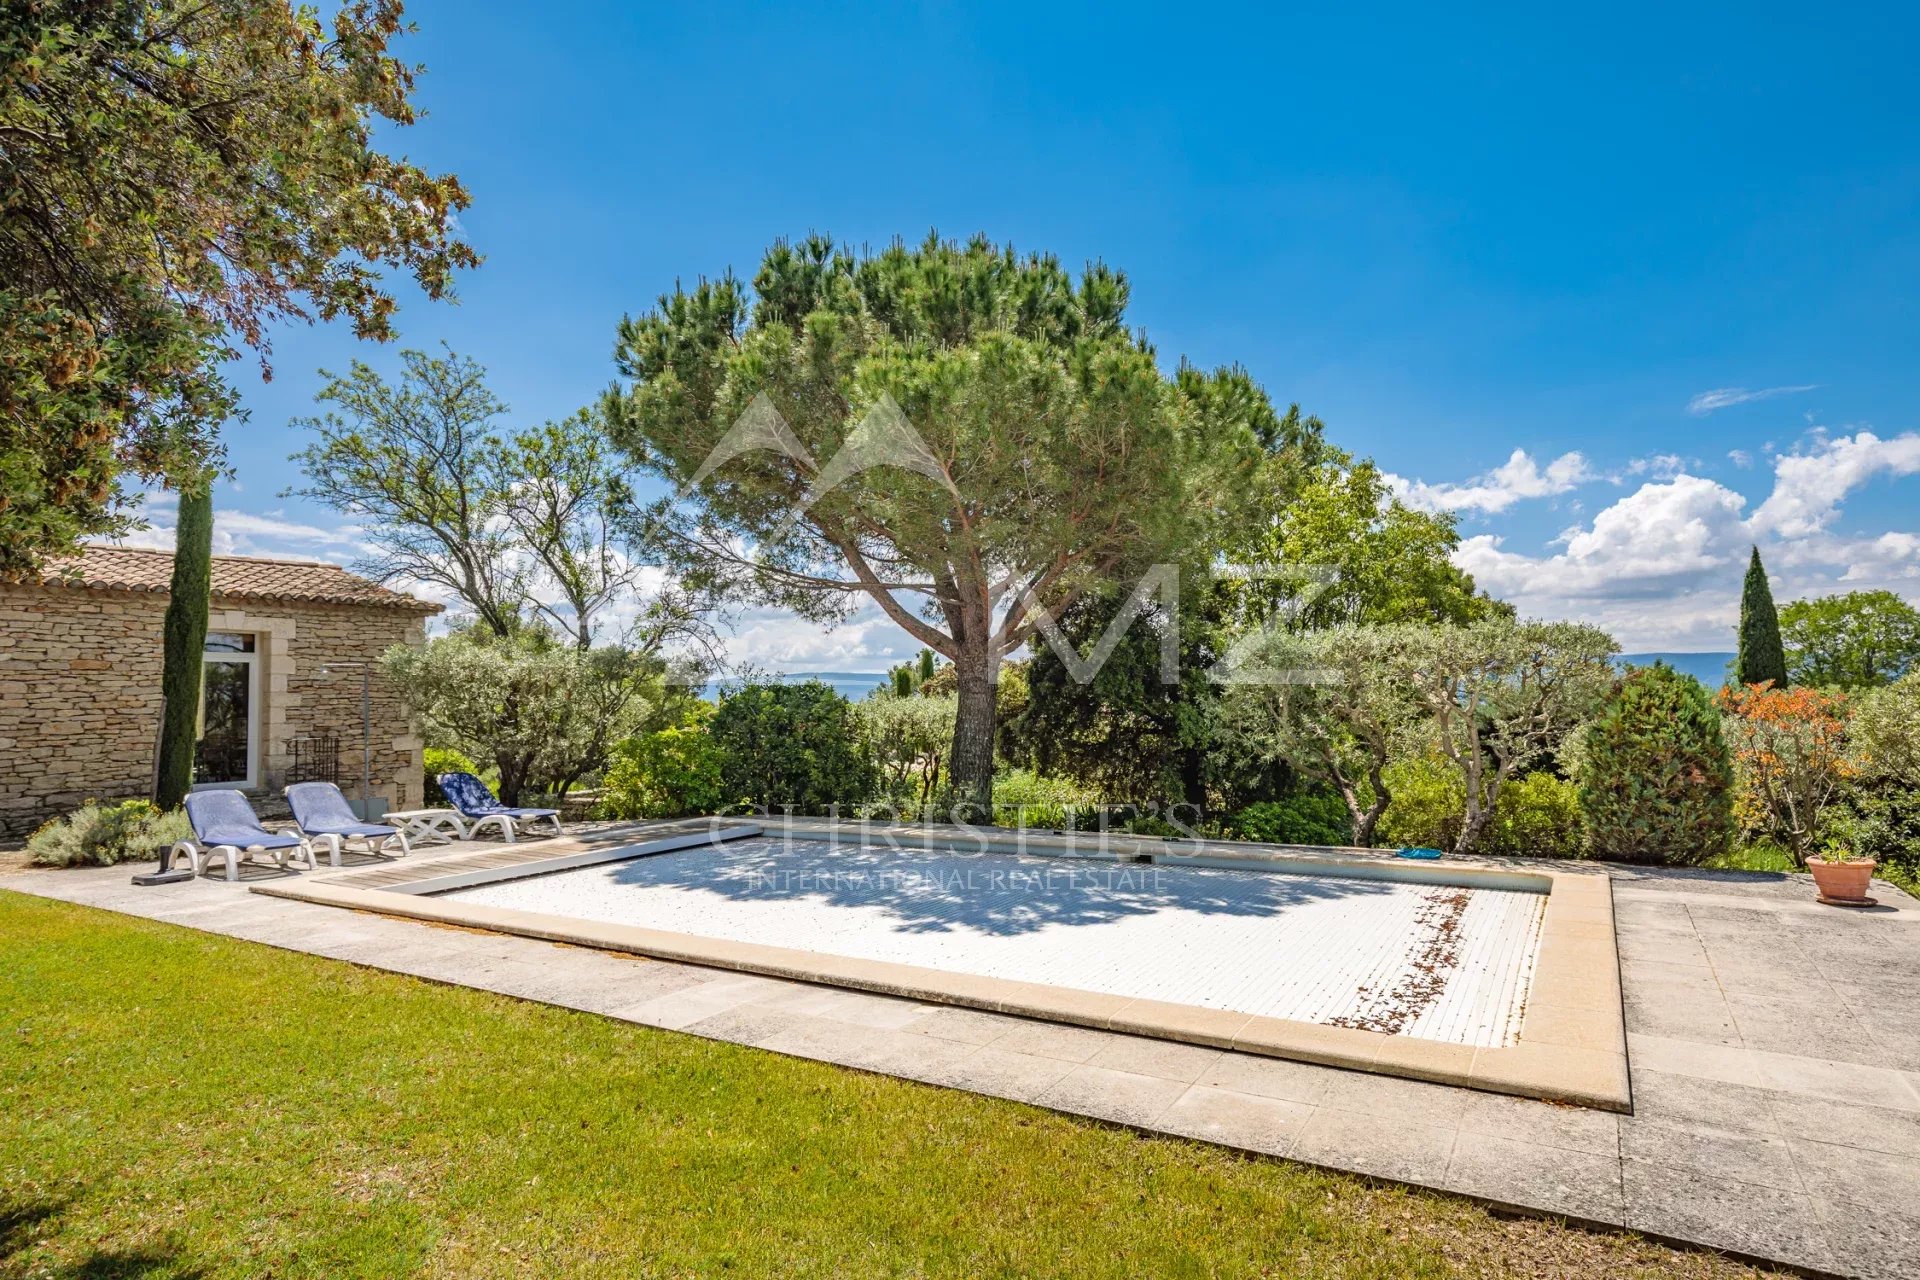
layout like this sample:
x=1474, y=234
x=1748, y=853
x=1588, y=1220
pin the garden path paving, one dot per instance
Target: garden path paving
x=1775, y=1049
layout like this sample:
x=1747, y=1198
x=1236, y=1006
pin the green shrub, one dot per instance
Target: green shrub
x=1883, y=795
x=100, y=835
x=1429, y=804
x=1312, y=817
x=1656, y=778
x=1536, y=815
x=438, y=760
x=1023, y=798
x=791, y=745
x=667, y=774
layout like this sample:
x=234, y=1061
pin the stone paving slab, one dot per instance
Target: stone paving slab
x=1748, y=1134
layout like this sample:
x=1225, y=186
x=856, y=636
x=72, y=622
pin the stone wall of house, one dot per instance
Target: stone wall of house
x=80, y=694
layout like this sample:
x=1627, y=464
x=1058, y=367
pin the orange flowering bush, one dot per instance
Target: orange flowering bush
x=1790, y=760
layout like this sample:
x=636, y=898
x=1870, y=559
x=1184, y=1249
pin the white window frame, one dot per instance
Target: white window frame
x=251, y=660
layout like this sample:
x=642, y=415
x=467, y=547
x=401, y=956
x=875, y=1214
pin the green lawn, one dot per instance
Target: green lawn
x=177, y=1104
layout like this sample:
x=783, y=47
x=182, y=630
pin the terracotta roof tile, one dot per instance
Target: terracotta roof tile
x=234, y=578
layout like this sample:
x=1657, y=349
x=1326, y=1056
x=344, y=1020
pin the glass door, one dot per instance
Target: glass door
x=229, y=713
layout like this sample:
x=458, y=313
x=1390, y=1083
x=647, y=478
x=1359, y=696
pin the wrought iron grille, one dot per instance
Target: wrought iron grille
x=315, y=757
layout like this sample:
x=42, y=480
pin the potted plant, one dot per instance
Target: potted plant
x=1842, y=878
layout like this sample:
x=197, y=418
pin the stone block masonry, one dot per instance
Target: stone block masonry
x=80, y=693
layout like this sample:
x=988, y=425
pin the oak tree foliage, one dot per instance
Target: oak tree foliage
x=176, y=177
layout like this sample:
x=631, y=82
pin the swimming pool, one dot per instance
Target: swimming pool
x=1437, y=961
x=1493, y=973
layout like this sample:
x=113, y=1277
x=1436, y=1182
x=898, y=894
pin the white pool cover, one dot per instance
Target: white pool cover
x=1437, y=961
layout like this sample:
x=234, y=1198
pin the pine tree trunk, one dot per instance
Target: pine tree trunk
x=970, y=765
x=185, y=640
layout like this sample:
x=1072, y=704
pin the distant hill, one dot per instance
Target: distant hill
x=1709, y=669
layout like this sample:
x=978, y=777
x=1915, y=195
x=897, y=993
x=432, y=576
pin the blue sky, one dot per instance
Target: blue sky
x=1502, y=255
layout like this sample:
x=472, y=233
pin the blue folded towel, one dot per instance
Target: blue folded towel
x=1419, y=853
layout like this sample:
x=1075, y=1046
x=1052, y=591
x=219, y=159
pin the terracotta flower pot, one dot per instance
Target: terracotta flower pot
x=1843, y=884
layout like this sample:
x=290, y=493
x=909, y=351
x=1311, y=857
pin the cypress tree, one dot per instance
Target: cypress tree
x=185, y=631
x=1762, y=656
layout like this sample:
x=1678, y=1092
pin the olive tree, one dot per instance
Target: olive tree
x=1883, y=765
x=908, y=739
x=1501, y=694
x=969, y=437
x=1332, y=703
x=540, y=712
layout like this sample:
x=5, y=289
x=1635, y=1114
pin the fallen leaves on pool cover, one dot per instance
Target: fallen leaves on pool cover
x=1425, y=981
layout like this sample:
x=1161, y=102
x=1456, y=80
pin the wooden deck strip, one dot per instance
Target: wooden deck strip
x=414, y=868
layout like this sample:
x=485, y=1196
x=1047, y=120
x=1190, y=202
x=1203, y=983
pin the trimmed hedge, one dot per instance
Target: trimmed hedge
x=1656, y=781
x=795, y=745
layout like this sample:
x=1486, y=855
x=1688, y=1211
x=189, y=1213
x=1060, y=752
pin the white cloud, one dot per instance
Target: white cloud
x=1726, y=397
x=273, y=529
x=1881, y=561
x=151, y=538
x=1661, y=466
x=1740, y=458
x=1519, y=477
x=1808, y=486
x=1655, y=539
x=775, y=640
x=1661, y=567
x=244, y=533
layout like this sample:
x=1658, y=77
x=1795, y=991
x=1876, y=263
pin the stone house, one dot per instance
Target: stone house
x=80, y=657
